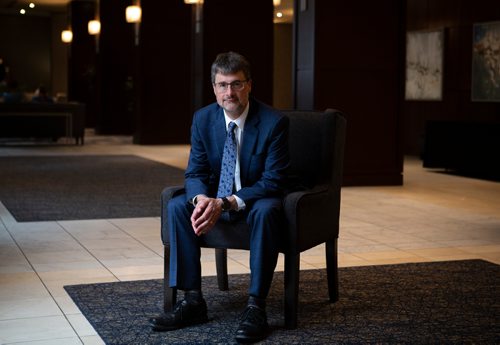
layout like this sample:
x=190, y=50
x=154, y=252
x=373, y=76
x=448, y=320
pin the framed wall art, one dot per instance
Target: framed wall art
x=424, y=65
x=486, y=62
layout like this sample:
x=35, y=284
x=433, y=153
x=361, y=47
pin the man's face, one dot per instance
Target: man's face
x=232, y=91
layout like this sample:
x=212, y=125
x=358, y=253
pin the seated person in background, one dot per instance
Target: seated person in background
x=12, y=93
x=41, y=96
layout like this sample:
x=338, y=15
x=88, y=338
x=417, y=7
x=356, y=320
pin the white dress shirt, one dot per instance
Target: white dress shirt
x=238, y=131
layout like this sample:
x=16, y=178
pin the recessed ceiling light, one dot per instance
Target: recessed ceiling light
x=32, y=5
x=279, y=14
x=22, y=11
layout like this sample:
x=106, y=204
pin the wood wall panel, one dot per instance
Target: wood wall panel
x=282, y=76
x=166, y=54
x=357, y=69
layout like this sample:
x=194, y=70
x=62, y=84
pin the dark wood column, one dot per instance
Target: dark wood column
x=116, y=67
x=164, y=73
x=349, y=56
x=82, y=75
x=246, y=27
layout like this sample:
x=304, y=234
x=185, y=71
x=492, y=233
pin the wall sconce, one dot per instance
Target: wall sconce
x=196, y=53
x=94, y=27
x=276, y=2
x=133, y=14
x=67, y=36
x=198, y=13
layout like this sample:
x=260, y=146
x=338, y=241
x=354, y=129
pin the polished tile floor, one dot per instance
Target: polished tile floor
x=433, y=217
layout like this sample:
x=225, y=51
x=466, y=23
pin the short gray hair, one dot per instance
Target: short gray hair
x=229, y=63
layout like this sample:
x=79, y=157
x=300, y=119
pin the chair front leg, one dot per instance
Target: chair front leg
x=169, y=294
x=292, y=272
x=221, y=266
x=332, y=270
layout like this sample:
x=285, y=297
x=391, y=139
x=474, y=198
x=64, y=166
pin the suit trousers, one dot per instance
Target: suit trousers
x=265, y=219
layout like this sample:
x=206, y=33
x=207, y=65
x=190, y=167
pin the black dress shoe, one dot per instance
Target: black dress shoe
x=253, y=325
x=185, y=313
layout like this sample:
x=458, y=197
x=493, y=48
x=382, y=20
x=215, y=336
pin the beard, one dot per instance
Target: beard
x=233, y=105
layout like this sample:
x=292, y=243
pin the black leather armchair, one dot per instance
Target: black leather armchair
x=312, y=208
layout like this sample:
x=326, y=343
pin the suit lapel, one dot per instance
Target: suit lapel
x=219, y=132
x=250, y=135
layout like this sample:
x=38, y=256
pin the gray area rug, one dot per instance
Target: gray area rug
x=43, y=188
x=454, y=302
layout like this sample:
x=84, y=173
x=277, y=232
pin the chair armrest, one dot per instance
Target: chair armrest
x=292, y=199
x=167, y=194
x=312, y=217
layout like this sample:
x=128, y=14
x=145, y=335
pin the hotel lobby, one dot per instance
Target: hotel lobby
x=398, y=207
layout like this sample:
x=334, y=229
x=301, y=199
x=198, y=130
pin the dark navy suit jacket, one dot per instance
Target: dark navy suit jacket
x=264, y=156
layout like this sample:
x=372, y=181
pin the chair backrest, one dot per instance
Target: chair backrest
x=316, y=142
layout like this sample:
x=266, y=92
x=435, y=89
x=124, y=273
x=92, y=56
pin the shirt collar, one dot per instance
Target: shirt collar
x=240, y=121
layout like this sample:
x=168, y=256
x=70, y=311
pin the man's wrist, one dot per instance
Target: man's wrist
x=197, y=198
x=226, y=204
x=234, y=202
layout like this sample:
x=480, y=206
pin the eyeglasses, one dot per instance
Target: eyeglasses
x=236, y=85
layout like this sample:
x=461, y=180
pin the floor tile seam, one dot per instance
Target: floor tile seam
x=443, y=248
x=316, y=265
x=367, y=254
x=247, y=266
x=87, y=250
x=396, y=249
x=357, y=236
x=436, y=241
x=460, y=243
x=395, y=225
x=143, y=245
x=397, y=243
x=134, y=238
x=437, y=205
x=408, y=250
x=28, y=261
x=45, y=340
x=32, y=317
x=62, y=315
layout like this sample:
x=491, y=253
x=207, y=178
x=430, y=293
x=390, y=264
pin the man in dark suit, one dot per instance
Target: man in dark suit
x=236, y=170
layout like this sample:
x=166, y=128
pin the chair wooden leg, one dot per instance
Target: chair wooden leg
x=292, y=271
x=169, y=294
x=332, y=270
x=221, y=266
